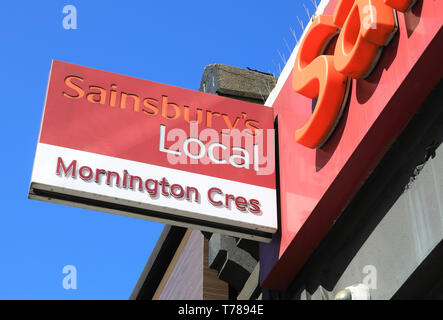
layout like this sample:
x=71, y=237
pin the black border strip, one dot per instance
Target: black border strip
x=148, y=213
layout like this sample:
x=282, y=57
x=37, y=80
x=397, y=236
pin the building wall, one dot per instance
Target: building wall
x=184, y=278
x=188, y=276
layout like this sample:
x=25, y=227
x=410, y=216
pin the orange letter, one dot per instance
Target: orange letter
x=72, y=85
x=199, y=115
x=147, y=103
x=369, y=25
x=401, y=5
x=165, y=106
x=252, y=125
x=101, y=95
x=314, y=76
x=229, y=125
x=209, y=115
x=134, y=97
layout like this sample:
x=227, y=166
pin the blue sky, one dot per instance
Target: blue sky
x=164, y=41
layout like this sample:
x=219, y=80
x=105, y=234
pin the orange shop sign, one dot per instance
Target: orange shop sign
x=143, y=149
x=361, y=72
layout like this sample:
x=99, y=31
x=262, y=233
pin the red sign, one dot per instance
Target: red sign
x=324, y=159
x=176, y=155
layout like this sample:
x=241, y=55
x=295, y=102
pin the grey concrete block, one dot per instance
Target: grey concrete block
x=234, y=265
x=219, y=245
x=238, y=83
x=251, y=289
x=249, y=246
x=234, y=274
